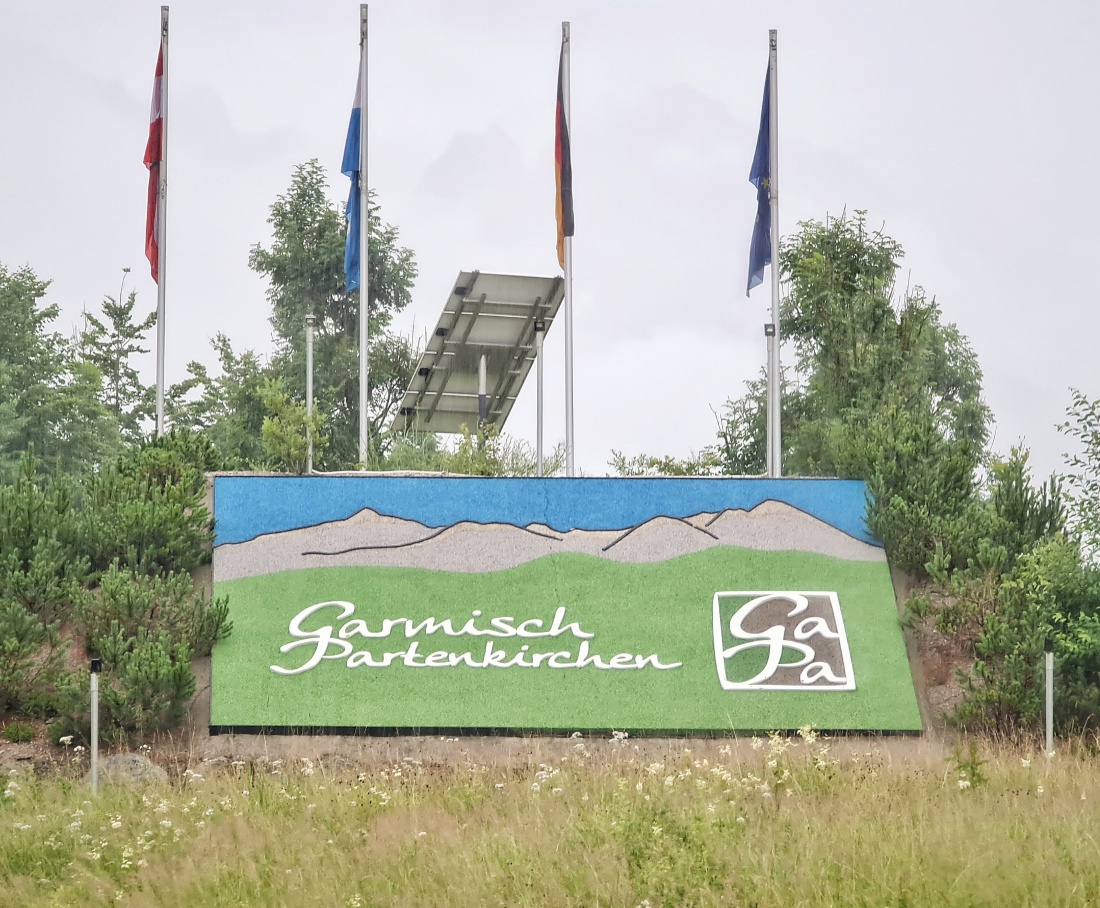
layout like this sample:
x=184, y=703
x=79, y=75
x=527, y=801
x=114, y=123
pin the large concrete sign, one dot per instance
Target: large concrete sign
x=652, y=605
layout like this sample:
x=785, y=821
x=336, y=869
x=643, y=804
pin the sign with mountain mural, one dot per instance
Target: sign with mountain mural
x=430, y=603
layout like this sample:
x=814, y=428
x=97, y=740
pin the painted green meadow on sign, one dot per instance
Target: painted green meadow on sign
x=683, y=606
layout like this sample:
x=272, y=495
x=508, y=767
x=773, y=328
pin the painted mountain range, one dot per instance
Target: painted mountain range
x=370, y=539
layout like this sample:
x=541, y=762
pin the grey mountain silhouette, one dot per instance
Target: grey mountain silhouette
x=377, y=540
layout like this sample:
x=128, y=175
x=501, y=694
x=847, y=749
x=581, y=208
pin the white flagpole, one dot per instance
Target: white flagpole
x=364, y=247
x=775, y=442
x=162, y=217
x=569, y=440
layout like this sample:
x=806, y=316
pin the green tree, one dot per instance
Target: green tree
x=881, y=389
x=228, y=407
x=1083, y=477
x=705, y=463
x=489, y=453
x=304, y=267
x=743, y=426
x=49, y=399
x=109, y=345
x=31, y=361
x=860, y=350
x=288, y=429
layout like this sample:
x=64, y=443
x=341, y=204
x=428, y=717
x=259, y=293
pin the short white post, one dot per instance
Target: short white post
x=1050, y=695
x=97, y=665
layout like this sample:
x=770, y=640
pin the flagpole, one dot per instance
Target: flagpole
x=569, y=439
x=775, y=443
x=162, y=217
x=364, y=246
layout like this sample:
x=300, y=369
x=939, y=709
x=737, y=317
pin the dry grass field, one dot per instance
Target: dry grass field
x=783, y=821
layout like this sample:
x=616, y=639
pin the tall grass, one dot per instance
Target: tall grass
x=787, y=824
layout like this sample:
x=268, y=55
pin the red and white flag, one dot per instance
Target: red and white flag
x=154, y=154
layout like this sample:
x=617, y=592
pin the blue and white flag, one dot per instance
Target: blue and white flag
x=760, y=250
x=351, y=168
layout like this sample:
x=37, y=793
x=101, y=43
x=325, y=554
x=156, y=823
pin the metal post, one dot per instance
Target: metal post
x=569, y=440
x=364, y=250
x=310, y=320
x=162, y=222
x=1050, y=695
x=775, y=442
x=482, y=394
x=540, y=332
x=97, y=664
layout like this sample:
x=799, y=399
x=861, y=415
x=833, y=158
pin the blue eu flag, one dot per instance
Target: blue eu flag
x=760, y=250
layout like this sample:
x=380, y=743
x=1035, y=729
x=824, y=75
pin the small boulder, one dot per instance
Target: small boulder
x=128, y=769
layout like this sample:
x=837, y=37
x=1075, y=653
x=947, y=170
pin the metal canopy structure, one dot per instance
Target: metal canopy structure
x=489, y=322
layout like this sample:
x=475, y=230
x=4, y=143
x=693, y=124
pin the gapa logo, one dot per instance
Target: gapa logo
x=781, y=640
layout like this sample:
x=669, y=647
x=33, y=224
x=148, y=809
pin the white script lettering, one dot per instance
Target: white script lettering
x=328, y=642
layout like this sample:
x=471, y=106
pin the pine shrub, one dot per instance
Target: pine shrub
x=132, y=604
x=31, y=657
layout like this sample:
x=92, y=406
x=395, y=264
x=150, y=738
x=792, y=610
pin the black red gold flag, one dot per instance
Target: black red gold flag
x=563, y=168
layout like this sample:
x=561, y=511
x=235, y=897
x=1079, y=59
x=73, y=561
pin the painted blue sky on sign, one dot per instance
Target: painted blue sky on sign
x=249, y=506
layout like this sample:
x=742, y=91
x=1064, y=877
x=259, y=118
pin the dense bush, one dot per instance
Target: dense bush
x=107, y=559
x=1047, y=594
x=922, y=488
x=145, y=687
x=31, y=657
x=145, y=512
x=38, y=567
x=1024, y=583
x=148, y=680
x=130, y=604
x=18, y=732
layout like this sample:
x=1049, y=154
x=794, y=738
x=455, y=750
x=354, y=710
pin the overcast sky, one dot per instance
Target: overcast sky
x=969, y=130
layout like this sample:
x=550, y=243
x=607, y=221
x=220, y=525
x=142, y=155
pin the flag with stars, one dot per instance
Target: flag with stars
x=760, y=250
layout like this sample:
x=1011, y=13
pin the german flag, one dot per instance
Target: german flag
x=563, y=167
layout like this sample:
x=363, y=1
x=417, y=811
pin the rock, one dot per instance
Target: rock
x=128, y=769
